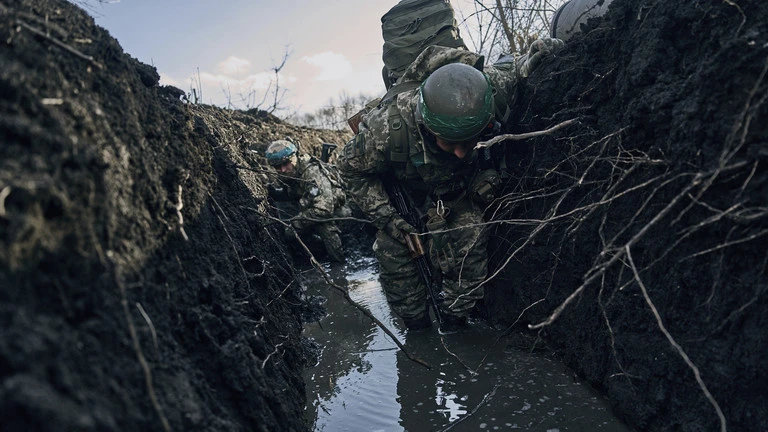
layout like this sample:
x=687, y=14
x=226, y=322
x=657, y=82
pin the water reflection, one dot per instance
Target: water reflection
x=453, y=409
x=364, y=383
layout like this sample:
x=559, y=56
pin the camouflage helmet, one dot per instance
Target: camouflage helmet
x=280, y=152
x=456, y=102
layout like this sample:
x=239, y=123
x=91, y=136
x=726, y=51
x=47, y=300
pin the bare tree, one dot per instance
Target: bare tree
x=251, y=98
x=334, y=114
x=496, y=27
x=278, y=93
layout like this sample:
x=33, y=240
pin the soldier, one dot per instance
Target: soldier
x=318, y=191
x=423, y=137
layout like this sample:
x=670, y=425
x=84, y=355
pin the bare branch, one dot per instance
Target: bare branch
x=600, y=269
x=60, y=44
x=518, y=137
x=140, y=355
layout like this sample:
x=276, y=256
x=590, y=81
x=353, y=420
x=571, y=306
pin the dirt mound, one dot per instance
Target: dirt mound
x=647, y=220
x=140, y=289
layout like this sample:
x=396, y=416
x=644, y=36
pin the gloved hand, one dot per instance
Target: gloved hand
x=398, y=228
x=539, y=49
x=484, y=186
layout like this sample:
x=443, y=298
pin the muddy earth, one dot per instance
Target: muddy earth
x=145, y=283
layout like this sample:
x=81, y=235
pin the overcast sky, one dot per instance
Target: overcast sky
x=334, y=45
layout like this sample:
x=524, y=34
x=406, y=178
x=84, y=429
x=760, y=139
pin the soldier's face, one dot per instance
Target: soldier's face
x=286, y=168
x=289, y=166
x=459, y=149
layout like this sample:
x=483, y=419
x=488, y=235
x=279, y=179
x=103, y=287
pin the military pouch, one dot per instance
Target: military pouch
x=484, y=186
x=437, y=218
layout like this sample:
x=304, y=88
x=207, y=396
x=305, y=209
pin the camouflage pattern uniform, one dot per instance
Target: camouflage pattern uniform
x=457, y=241
x=320, y=196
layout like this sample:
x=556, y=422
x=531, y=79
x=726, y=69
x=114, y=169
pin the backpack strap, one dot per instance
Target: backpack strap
x=398, y=135
x=399, y=88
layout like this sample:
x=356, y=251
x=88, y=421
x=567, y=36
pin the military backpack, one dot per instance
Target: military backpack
x=408, y=28
x=412, y=25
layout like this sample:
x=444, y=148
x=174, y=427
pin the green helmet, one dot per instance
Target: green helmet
x=456, y=102
x=280, y=152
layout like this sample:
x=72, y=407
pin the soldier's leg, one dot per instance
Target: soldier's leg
x=461, y=253
x=331, y=237
x=400, y=278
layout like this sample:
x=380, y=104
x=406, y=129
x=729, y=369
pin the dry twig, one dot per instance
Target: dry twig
x=151, y=326
x=518, y=137
x=600, y=269
x=470, y=370
x=60, y=44
x=140, y=355
x=277, y=348
x=485, y=400
x=232, y=242
x=179, y=206
x=3, y=195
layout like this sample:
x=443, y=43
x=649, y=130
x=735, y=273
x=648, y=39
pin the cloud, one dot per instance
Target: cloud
x=239, y=93
x=233, y=66
x=259, y=81
x=247, y=92
x=166, y=79
x=333, y=67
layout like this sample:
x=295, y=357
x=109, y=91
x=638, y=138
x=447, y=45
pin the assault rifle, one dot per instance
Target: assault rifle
x=399, y=201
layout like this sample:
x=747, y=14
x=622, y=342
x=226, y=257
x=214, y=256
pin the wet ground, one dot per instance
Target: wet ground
x=477, y=380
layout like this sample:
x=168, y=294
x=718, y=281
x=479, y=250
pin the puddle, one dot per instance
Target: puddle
x=363, y=382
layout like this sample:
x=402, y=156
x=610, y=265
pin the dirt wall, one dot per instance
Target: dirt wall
x=139, y=287
x=634, y=240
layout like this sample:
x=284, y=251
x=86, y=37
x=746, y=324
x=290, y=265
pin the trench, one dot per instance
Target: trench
x=478, y=379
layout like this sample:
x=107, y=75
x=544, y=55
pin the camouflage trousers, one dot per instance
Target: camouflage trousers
x=458, y=250
x=329, y=234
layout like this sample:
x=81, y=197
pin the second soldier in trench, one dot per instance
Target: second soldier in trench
x=317, y=189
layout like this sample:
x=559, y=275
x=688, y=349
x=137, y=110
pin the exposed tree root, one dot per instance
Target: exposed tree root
x=677, y=346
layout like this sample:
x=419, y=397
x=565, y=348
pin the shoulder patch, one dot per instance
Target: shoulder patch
x=355, y=147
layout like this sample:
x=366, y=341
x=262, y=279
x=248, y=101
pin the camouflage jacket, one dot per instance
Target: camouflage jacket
x=426, y=171
x=317, y=189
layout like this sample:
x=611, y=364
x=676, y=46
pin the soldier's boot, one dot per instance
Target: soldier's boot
x=452, y=324
x=420, y=323
x=479, y=313
x=333, y=247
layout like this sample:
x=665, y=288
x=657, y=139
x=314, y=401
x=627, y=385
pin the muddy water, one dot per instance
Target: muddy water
x=477, y=382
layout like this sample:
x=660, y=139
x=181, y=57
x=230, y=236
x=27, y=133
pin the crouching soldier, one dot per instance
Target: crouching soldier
x=422, y=137
x=318, y=191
